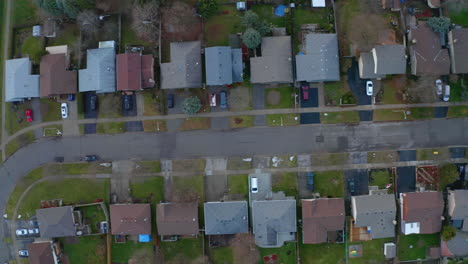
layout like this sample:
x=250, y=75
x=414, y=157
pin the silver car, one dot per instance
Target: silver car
x=369, y=88
x=438, y=87
x=64, y=110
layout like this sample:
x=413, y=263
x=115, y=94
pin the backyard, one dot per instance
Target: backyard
x=412, y=247
x=329, y=183
x=185, y=250
x=266, y=12
x=372, y=251
x=132, y=252
x=218, y=27
x=325, y=253
x=287, y=254
x=88, y=249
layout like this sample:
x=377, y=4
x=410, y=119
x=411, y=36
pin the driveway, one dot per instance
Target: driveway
x=216, y=90
x=360, y=178
x=313, y=96
x=133, y=110
x=88, y=113
x=406, y=179
x=357, y=85
x=258, y=96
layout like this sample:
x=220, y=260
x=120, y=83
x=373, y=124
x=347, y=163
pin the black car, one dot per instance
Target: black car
x=90, y=158
x=170, y=100
x=93, y=102
x=127, y=102
x=351, y=186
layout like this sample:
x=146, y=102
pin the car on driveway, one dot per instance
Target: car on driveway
x=223, y=99
x=29, y=115
x=351, y=186
x=369, y=88
x=127, y=102
x=212, y=99
x=446, y=93
x=438, y=87
x=254, y=185
x=90, y=158
x=64, y=110
x=305, y=92
x=21, y=232
x=170, y=100
x=93, y=102
x=23, y=253
x=310, y=181
x=33, y=231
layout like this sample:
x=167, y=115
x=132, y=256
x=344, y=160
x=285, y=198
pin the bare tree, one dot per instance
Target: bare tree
x=89, y=22
x=146, y=21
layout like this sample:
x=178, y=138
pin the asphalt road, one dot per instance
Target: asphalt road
x=240, y=142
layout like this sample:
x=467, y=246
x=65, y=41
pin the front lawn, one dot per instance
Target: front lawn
x=140, y=252
x=15, y=117
x=152, y=102
x=457, y=111
x=329, y=183
x=110, y=127
x=382, y=156
x=237, y=163
x=339, y=117
x=284, y=161
x=283, y=120
x=413, y=247
x=285, y=182
x=372, y=251
x=416, y=113
x=432, y=154
x=88, y=249
x=196, y=123
x=189, y=165
x=286, y=254
x=330, y=159
x=154, y=125
x=325, y=253
x=147, y=190
x=153, y=166
x=276, y=98
x=218, y=27
x=238, y=184
x=20, y=187
x=334, y=91
x=52, y=131
x=241, y=121
x=110, y=105
x=380, y=178
x=50, y=110
x=185, y=250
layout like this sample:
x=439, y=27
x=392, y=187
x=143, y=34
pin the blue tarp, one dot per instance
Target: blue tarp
x=279, y=11
x=144, y=238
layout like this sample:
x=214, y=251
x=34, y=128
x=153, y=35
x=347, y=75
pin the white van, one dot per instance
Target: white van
x=447, y=93
x=254, y=185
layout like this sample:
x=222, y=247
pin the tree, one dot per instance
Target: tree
x=50, y=6
x=455, y=6
x=207, y=8
x=191, y=105
x=439, y=24
x=146, y=21
x=448, y=174
x=89, y=22
x=448, y=232
x=252, y=20
x=251, y=38
x=68, y=8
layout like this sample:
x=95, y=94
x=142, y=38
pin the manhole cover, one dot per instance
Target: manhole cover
x=319, y=139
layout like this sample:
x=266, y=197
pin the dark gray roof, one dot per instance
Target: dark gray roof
x=222, y=218
x=99, y=76
x=459, y=244
x=223, y=65
x=184, y=70
x=320, y=62
x=56, y=222
x=376, y=212
x=389, y=59
x=237, y=66
x=460, y=205
x=19, y=82
x=366, y=66
x=273, y=222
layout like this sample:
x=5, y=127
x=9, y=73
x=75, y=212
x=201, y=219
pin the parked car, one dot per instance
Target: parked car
x=127, y=102
x=223, y=99
x=305, y=92
x=438, y=87
x=29, y=115
x=446, y=93
x=254, y=185
x=369, y=88
x=90, y=158
x=170, y=100
x=64, y=110
x=21, y=232
x=93, y=102
x=23, y=253
x=212, y=99
x=103, y=227
x=33, y=231
x=351, y=187
x=310, y=181
x=71, y=97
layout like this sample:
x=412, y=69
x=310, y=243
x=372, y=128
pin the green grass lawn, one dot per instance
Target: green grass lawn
x=286, y=254
x=266, y=12
x=432, y=154
x=19, y=142
x=34, y=48
x=327, y=159
x=286, y=182
x=285, y=94
x=329, y=183
x=284, y=161
x=456, y=90
x=457, y=111
x=460, y=18
x=334, y=91
x=339, y=117
x=122, y=252
x=20, y=187
x=380, y=178
x=25, y=11
x=372, y=251
x=382, y=156
x=72, y=191
x=52, y=131
x=110, y=105
x=15, y=118
x=148, y=190
x=69, y=36
x=153, y=166
x=391, y=93
x=237, y=163
x=221, y=255
x=238, y=184
x=218, y=27
x=189, y=164
x=184, y=250
x=241, y=121
x=196, y=123
x=416, y=113
x=283, y=120
x=420, y=244
x=110, y=127
x=76, y=168
x=89, y=249
x=50, y=110
x=93, y=215
x=325, y=253
x=152, y=102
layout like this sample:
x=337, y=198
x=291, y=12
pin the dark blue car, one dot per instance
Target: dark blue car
x=310, y=181
x=223, y=99
x=170, y=100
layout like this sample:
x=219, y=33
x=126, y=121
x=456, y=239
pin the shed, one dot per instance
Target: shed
x=241, y=6
x=318, y=3
x=36, y=31
x=389, y=250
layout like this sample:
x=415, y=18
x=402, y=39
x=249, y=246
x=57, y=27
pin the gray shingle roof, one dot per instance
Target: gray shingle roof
x=56, y=222
x=19, y=82
x=460, y=205
x=376, y=211
x=223, y=65
x=367, y=67
x=273, y=222
x=184, y=70
x=99, y=75
x=275, y=64
x=458, y=41
x=459, y=244
x=320, y=62
x=223, y=218
x=389, y=59
x=237, y=66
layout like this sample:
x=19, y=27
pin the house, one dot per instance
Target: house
x=321, y=218
x=20, y=84
x=224, y=218
x=367, y=67
x=426, y=52
x=223, y=65
x=376, y=213
x=274, y=222
x=421, y=212
x=393, y=5
x=55, y=78
x=134, y=71
x=184, y=70
x=320, y=61
x=177, y=219
x=275, y=64
x=386, y=59
x=458, y=46
x=42, y=253
x=455, y=247
x=458, y=208
x=56, y=222
x=99, y=75
x=130, y=219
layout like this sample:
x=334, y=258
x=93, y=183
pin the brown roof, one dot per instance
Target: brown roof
x=40, y=253
x=128, y=72
x=320, y=216
x=54, y=78
x=425, y=208
x=130, y=219
x=458, y=41
x=147, y=71
x=177, y=218
x=427, y=55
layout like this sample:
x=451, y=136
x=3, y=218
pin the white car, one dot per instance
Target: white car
x=369, y=88
x=23, y=253
x=447, y=93
x=33, y=231
x=21, y=232
x=64, y=109
x=438, y=87
x=254, y=185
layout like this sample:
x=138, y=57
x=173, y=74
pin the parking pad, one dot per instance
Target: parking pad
x=366, y=115
x=134, y=126
x=357, y=85
x=133, y=110
x=310, y=118
x=88, y=113
x=360, y=179
x=406, y=179
x=407, y=155
x=90, y=128
x=440, y=112
x=313, y=99
x=457, y=153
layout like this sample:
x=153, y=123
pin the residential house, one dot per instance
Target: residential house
x=319, y=61
x=135, y=71
x=177, y=219
x=20, y=84
x=55, y=78
x=225, y=218
x=426, y=52
x=367, y=66
x=274, y=222
x=386, y=59
x=376, y=213
x=130, y=219
x=42, y=253
x=184, y=70
x=455, y=247
x=458, y=46
x=275, y=64
x=99, y=75
x=458, y=208
x=56, y=222
x=421, y=212
x=223, y=65
x=322, y=220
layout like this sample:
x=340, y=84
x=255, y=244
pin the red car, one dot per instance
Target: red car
x=305, y=92
x=29, y=115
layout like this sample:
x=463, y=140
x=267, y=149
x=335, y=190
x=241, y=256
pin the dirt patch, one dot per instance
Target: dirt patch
x=273, y=97
x=239, y=98
x=422, y=90
x=363, y=32
x=242, y=249
x=428, y=177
